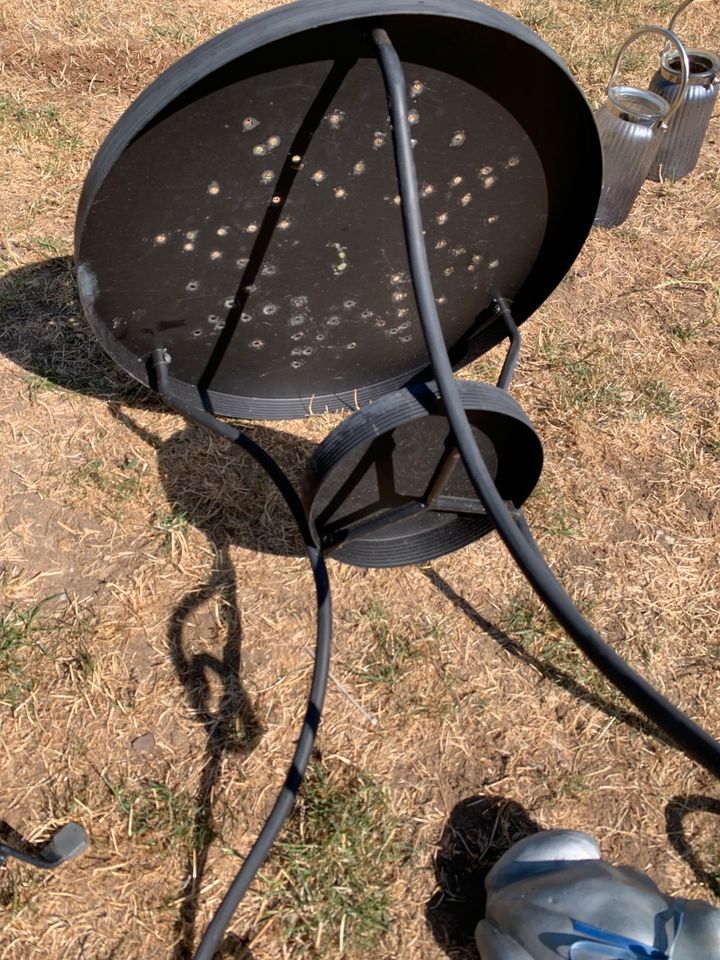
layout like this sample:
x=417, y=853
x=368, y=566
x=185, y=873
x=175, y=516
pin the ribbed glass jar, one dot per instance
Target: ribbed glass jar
x=680, y=148
x=630, y=127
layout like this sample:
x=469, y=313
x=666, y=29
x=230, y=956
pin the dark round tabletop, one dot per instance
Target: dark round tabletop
x=244, y=213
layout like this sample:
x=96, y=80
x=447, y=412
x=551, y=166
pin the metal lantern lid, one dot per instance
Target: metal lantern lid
x=704, y=66
x=637, y=106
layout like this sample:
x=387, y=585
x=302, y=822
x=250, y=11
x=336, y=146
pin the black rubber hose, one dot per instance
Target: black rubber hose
x=688, y=735
x=284, y=803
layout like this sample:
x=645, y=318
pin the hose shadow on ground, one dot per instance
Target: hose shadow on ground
x=676, y=811
x=547, y=670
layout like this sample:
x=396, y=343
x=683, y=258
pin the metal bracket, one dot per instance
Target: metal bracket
x=502, y=308
x=65, y=844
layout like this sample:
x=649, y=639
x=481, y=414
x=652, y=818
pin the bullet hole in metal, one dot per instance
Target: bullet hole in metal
x=335, y=119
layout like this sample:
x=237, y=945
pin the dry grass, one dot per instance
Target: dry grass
x=150, y=585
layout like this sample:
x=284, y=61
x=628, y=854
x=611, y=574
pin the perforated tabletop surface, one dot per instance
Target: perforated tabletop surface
x=244, y=213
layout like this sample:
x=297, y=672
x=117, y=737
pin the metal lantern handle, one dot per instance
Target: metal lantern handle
x=673, y=39
x=683, y=6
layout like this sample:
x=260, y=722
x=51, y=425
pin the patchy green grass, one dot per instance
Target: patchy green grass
x=659, y=400
x=15, y=640
x=390, y=649
x=171, y=528
x=161, y=816
x=527, y=620
x=333, y=865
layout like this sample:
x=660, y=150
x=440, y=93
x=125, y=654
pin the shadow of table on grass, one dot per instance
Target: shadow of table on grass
x=216, y=488
x=219, y=490
x=43, y=330
x=477, y=833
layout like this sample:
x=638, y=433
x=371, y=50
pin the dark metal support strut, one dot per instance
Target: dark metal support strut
x=508, y=369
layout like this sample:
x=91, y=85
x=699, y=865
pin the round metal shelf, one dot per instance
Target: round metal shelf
x=387, y=487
